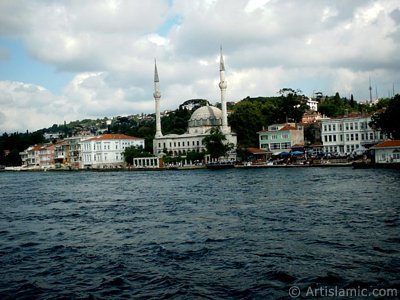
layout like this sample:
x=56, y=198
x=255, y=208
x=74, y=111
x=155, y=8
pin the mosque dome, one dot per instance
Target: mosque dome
x=206, y=112
x=206, y=116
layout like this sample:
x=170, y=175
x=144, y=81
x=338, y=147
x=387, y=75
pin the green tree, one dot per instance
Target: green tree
x=387, y=121
x=246, y=121
x=195, y=156
x=215, y=143
x=132, y=152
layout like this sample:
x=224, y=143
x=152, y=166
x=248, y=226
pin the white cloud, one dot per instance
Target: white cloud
x=110, y=46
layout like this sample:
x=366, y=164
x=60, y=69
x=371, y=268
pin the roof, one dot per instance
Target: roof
x=111, y=136
x=388, y=144
x=288, y=127
x=353, y=115
x=285, y=127
x=256, y=150
x=206, y=112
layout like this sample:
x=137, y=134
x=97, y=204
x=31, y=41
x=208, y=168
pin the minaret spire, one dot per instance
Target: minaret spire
x=223, y=85
x=157, y=96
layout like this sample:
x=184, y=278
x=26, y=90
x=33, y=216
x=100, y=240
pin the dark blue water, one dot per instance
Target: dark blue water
x=247, y=234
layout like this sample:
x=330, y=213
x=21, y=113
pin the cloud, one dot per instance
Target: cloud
x=109, y=46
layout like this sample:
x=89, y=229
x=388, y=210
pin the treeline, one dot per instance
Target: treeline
x=12, y=144
x=248, y=116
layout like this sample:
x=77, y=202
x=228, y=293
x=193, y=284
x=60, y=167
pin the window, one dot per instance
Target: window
x=340, y=127
x=362, y=136
x=347, y=126
x=285, y=145
x=347, y=137
x=352, y=137
x=264, y=137
x=356, y=125
x=334, y=137
x=330, y=138
x=356, y=136
x=329, y=127
x=325, y=128
x=325, y=138
x=285, y=136
x=334, y=127
x=274, y=137
x=275, y=146
x=371, y=136
x=198, y=143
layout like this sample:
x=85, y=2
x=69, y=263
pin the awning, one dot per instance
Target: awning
x=297, y=152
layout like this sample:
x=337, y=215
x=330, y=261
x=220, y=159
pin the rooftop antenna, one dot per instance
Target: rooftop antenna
x=370, y=90
x=393, y=89
x=376, y=92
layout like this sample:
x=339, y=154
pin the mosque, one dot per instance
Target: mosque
x=199, y=126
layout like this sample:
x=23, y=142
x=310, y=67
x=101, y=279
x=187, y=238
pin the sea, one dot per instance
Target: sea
x=269, y=233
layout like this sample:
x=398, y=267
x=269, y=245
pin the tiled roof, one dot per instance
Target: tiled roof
x=111, y=136
x=388, y=144
x=256, y=150
x=353, y=115
x=287, y=127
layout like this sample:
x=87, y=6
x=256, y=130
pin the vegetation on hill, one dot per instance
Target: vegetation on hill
x=252, y=114
x=387, y=120
x=248, y=117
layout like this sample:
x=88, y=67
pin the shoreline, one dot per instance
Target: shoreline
x=354, y=165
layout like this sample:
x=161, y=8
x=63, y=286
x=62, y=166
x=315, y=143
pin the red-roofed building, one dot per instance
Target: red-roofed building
x=281, y=137
x=387, y=152
x=105, y=151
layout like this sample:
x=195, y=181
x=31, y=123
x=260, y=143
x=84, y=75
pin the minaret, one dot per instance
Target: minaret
x=223, y=85
x=157, y=96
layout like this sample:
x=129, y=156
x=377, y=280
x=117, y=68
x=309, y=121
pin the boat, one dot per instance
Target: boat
x=220, y=165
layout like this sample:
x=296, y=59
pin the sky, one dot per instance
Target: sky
x=67, y=60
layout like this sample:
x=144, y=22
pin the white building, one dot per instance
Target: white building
x=200, y=124
x=312, y=104
x=107, y=150
x=31, y=156
x=387, y=152
x=347, y=134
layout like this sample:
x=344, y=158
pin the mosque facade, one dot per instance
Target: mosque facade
x=200, y=124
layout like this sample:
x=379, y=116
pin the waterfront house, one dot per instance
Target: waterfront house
x=46, y=156
x=387, y=152
x=281, y=137
x=106, y=151
x=67, y=152
x=31, y=156
x=349, y=134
